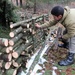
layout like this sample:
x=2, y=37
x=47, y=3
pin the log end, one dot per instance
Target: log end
x=6, y=42
x=15, y=72
x=11, y=43
x=7, y=65
x=11, y=34
x=15, y=55
x=10, y=57
x=7, y=50
x=11, y=26
x=10, y=48
x=15, y=64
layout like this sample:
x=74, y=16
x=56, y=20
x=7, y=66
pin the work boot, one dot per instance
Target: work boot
x=68, y=61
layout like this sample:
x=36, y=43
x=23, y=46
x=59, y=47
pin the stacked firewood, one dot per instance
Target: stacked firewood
x=24, y=41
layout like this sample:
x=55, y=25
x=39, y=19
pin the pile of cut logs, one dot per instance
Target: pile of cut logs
x=24, y=41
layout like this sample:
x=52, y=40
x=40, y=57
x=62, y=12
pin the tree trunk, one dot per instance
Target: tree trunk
x=17, y=2
x=34, y=6
x=20, y=3
x=3, y=14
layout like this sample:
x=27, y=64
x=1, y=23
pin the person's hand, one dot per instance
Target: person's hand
x=62, y=39
x=37, y=25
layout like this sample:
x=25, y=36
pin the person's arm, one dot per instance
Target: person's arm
x=47, y=24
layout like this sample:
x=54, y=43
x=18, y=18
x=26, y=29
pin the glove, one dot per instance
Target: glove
x=65, y=43
x=62, y=40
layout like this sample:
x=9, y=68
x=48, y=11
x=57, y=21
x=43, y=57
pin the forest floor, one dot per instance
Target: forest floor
x=52, y=65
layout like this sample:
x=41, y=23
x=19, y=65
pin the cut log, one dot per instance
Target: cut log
x=7, y=50
x=15, y=39
x=6, y=57
x=17, y=62
x=11, y=72
x=15, y=32
x=26, y=55
x=16, y=53
x=1, y=72
x=1, y=61
x=3, y=42
x=11, y=48
x=27, y=21
x=6, y=65
x=27, y=30
x=26, y=25
x=18, y=43
x=19, y=23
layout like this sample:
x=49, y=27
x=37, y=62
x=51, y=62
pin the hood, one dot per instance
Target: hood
x=66, y=12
